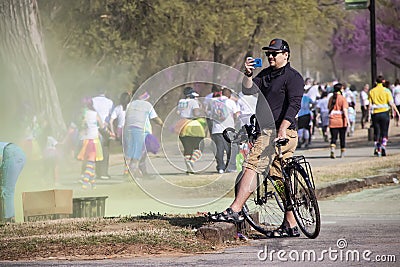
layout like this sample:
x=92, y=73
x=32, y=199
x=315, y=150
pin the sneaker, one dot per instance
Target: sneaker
x=379, y=151
x=383, y=152
x=227, y=216
x=221, y=171
x=85, y=185
x=189, y=167
x=333, y=155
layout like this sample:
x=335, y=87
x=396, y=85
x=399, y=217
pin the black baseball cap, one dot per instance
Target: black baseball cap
x=189, y=91
x=277, y=44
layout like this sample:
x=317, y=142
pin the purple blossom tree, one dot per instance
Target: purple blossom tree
x=352, y=44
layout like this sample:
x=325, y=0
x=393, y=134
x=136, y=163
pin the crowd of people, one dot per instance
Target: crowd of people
x=331, y=108
x=328, y=108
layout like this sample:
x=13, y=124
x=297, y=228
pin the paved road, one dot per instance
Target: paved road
x=359, y=229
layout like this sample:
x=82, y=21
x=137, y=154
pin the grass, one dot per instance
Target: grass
x=340, y=171
x=360, y=169
x=86, y=238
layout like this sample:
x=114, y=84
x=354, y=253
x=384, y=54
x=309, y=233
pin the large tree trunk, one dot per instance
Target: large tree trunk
x=23, y=56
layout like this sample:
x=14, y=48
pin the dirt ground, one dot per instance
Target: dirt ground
x=105, y=238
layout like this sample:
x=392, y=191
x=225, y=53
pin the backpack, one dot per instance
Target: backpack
x=219, y=110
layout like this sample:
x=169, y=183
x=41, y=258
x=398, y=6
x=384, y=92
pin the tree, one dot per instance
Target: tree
x=354, y=41
x=23, y=58
x=118, y=44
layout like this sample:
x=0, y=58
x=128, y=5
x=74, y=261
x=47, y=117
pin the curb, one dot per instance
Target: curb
x=218, y=232
x=221, y=232
x=340, y=187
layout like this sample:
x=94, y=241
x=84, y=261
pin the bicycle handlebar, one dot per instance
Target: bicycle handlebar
x=248, y=132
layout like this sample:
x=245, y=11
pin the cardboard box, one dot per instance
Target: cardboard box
x=48, y=202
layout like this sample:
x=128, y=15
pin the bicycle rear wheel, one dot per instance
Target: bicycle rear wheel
x=305, y=204
x=264, y=209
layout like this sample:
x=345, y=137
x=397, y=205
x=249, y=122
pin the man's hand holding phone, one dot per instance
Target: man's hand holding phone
x=251, y=64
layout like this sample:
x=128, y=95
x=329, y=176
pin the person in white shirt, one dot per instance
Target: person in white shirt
x=137, y=126
x=192, y=131
x=312, y=91
x=91, y=151
x=118, y=114
x=364, y=103
x=396, y=98
x=349, y=95
x=247, y=105
x=206, y=103
x=103, y=106
x=323, y=114
x=218, y=127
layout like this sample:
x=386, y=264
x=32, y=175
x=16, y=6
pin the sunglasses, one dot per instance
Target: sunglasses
x=273, y=54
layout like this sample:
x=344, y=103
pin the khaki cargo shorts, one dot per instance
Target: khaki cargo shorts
x=263, y=155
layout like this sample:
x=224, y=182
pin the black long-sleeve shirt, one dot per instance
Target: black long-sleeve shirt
x=282, y=89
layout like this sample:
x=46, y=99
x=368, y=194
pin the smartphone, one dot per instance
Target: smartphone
x=257, y=63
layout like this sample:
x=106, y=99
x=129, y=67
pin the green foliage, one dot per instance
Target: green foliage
x=120, y=43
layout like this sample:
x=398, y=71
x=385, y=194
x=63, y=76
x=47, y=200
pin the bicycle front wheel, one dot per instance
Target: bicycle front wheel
x=264, y=209
x=305, y=204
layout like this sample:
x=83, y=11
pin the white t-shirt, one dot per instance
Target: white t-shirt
x=313, y=93
x=364, y=98
x=349, y=95
x=139, y=113
x=186, y=107
x=119, y=114
x=103, y=106
x=247, y=103
x=396, y=95
x=92, y=129
x=322, y=104
x=229, y=121
x=207, y=99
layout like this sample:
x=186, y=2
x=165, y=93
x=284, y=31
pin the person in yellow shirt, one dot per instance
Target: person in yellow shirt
x=381, y=100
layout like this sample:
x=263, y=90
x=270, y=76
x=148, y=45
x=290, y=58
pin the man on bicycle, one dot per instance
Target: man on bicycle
x=283, y=87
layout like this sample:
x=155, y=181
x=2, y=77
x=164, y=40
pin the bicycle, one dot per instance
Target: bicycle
x=264, y=210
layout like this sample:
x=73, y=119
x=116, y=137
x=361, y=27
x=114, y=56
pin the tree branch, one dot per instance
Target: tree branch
x=394, y=63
